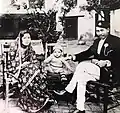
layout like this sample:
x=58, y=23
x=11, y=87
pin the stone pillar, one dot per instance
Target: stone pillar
x=0, y=6
x=59, y=14
x=4, y=4
x=81, y=2
x=49, y=4
x=7, y=7
x=86, y=25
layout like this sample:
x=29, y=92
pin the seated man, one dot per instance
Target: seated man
x=106, y=54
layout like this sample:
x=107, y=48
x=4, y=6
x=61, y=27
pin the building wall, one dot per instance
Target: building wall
x=49, y=4
x=86, y=26
x=4, y=4
x=86, y=20
x=7, y=7
x=115, y=22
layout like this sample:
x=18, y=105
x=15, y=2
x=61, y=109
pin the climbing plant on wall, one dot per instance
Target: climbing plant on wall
x=42, y=25
x=68, y=5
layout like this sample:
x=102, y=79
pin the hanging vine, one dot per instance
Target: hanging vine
x=68, y=5
x=99, y=5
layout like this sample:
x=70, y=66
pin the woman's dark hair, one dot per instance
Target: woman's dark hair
x=21, y=34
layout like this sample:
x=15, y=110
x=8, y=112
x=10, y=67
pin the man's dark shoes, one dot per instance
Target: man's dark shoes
x=79, y=111
x=62, y=92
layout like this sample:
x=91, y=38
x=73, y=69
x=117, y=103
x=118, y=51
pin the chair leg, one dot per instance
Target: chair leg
x=105, y=99
x=98, y=93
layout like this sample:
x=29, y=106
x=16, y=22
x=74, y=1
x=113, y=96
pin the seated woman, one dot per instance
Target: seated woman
x=24, y=67
x=56, y=63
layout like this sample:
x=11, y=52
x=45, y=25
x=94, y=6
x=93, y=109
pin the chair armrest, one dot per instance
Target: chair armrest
x=99, y=84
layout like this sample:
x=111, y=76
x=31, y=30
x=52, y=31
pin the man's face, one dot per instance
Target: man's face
x=102, y=33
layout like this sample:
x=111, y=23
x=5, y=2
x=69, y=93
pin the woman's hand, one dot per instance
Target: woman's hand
x=25, y=64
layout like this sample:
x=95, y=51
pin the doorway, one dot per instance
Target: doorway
x=71, y=28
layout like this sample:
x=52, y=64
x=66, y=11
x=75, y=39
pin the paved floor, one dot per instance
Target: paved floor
x=10, y=108
x=60, y=107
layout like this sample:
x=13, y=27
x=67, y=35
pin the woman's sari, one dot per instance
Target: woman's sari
x=24, y=68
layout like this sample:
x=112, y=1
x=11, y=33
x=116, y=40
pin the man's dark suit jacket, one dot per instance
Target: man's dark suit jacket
x=110, y=51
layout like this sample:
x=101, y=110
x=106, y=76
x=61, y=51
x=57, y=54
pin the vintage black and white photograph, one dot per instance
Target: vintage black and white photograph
x=59, y=56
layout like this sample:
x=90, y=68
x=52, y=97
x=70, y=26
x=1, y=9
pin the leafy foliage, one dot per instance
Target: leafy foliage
x=41, y=25
x=36, y=3
x=69, y=4
x=103, y=4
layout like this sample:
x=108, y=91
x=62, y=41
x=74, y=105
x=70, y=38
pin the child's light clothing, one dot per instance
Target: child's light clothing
x=57, y=65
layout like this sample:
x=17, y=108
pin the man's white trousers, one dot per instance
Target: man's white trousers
x=84, y=72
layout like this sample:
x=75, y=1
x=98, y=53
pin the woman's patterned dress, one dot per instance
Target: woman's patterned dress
x=24, y=68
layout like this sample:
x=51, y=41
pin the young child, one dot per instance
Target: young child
x=56, y=63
